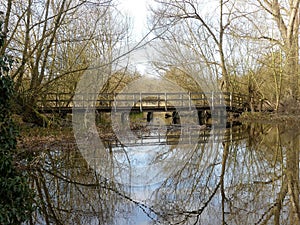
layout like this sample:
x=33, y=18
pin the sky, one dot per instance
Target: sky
x=137, y=10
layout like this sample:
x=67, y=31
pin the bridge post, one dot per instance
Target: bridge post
x=201, y=117
x=230, y=100
x=175, y=117
x=158, y=100
x=149, y=116
x=56, y=100
x=115, y=102
x=141, y=102
x=159, y=135
x=181, y=97
x=261, y=101
x=190, y=100
x=212, y=100
x=166, y=101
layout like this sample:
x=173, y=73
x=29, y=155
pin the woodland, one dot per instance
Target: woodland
x=244, y=46
x=249, y=47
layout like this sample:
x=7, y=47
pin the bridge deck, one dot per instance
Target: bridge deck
x=106, y=102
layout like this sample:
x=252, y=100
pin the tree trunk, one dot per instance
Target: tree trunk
x=26, y=108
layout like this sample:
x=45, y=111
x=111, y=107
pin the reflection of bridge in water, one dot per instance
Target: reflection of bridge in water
x=107, y=102
x=176, y=134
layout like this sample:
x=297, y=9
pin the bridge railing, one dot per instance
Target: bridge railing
x=143, y=101
x=55, y=100
x=179, y=100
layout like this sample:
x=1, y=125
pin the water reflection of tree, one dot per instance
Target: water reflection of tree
x=236, y=181
x=69, y=192
x=191, y=195
x=281, y=153
x=269, y=181
x=253, y=181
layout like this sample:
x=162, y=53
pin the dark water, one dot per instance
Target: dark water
x=244, y=174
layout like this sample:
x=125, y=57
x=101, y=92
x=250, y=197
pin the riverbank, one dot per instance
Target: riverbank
x=272, y=118
x=33, y=137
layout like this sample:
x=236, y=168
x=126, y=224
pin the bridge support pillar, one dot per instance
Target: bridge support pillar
x=175, y=118
x=203, y=117
x=149, y=116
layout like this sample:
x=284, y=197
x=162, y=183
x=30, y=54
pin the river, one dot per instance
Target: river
x=170, y=174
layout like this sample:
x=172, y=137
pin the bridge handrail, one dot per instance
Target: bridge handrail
x=141, y=99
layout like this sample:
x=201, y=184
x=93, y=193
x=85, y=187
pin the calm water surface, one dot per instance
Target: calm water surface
x=244, y=174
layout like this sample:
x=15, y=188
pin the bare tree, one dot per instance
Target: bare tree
x=195, y=33
x=54, y=42
x=276, y=24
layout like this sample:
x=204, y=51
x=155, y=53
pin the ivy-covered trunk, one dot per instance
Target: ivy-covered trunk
x=16, y=197
x=27, y=109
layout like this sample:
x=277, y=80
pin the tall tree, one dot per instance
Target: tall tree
x=54, y=42
x=276, y=23
x=200, y=31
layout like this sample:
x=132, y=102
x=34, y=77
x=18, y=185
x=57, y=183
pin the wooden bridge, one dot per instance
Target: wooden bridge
x=110, y=102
